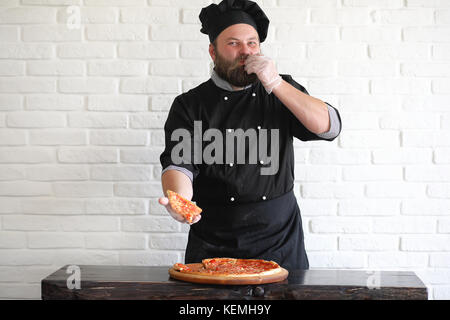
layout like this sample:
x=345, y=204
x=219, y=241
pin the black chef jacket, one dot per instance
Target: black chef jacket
x=245, y=214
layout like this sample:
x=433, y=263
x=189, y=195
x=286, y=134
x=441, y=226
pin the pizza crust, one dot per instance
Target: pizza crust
x=247, y=275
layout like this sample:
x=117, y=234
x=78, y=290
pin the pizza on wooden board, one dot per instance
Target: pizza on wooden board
x=230, y=267
x=183, y=206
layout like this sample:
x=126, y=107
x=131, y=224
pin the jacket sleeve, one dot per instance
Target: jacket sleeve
x=297, y=128
x=179, y=140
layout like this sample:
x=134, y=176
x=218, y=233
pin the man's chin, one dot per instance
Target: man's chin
x=241, y=78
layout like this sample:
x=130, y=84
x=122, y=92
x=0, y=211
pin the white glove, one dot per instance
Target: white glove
x=265, y=69
x=164, y=201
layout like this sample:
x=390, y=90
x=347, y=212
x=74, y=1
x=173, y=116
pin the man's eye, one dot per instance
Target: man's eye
x=233, y=43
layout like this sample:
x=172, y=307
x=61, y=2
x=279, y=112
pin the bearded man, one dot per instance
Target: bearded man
x=246, y=214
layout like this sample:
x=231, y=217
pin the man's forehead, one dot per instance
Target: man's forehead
x=241, y=38
x=240, y=32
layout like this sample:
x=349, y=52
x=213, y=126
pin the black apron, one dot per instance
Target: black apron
x=269, y=230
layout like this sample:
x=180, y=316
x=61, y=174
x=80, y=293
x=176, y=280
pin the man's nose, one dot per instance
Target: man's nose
x=245, y=50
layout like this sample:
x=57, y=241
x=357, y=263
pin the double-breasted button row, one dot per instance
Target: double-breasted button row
x=231, y=130
x=226, y=97
x=232, y=199
x=231, y=164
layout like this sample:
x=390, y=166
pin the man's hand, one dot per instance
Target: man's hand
x=164, y=201
x=265, y=69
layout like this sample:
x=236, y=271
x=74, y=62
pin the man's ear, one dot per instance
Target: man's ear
x=212, y=52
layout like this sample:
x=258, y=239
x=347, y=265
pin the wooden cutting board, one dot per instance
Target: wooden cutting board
x=211, y=279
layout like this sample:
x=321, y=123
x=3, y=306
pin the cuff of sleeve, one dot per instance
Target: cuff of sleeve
x=334, y=125
x=181, y=169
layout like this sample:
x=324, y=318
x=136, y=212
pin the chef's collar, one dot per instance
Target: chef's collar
x=223, y=84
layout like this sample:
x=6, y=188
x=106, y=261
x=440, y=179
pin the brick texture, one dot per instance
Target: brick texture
x=83, y=100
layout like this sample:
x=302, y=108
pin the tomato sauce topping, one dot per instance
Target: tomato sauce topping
x=231, y=266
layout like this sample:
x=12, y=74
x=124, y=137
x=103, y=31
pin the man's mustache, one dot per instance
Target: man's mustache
x=240, y=59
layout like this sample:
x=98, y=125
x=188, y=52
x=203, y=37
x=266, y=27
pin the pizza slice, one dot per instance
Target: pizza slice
x=183, y=206
x=218, y=263
x=238, y=265
x=181, y=267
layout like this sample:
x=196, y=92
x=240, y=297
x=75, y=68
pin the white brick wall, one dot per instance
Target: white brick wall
x=82, y=112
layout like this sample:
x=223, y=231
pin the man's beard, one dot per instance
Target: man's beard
x=233, y=72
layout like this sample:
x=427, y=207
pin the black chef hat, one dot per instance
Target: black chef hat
x=217, y=17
